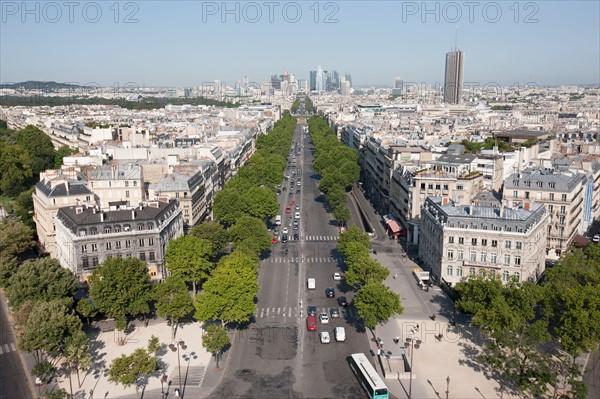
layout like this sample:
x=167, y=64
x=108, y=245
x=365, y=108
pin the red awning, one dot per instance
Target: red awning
x=394, y=226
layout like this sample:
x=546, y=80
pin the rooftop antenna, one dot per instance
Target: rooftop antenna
x=456, y=39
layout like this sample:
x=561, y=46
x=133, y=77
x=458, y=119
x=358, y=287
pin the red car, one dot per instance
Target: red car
x=288, y=209
x=311, y=323
x=274, y=240
x=293, y=203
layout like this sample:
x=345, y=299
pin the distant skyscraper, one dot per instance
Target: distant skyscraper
x=453, y=82
x=313, y=81
x=398, y=84
x=349, y=79
x=320, y=85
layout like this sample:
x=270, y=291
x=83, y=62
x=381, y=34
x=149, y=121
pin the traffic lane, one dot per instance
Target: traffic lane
x=278, y=286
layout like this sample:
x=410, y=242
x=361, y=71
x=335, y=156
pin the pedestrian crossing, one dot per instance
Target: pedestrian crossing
x=7, y=348
x=297, y=312
x=302, y=259
x=320, y=238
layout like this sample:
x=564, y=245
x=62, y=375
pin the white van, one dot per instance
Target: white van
x=340, y=334
x=312, y=283
x=278, y=220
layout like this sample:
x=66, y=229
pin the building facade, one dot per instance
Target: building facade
x=463, y=240
x=87, y=236
x=453, y=82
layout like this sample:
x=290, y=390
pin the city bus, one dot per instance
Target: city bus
x=368, y=377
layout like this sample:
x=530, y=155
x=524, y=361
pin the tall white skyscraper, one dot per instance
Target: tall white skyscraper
x=320, y=84
x=453, y=82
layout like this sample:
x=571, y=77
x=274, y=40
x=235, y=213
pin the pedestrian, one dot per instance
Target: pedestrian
x=395, y=275
x=176, y=392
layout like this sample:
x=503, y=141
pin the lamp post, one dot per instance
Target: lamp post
x=163, y=379
x=447, y=386
x=412, y=344
x=175, y=348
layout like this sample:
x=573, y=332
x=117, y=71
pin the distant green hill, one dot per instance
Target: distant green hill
x=38, y=85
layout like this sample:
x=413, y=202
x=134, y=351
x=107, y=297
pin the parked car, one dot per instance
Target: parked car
x=312, y=310
x=330, y=292
x=296, y=237
x=337, y=276
x=342, y=301
x=324, y=318
x=334, y=312
x=596, y=238
x=325, y=338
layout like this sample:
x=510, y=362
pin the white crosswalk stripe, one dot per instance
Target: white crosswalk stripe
x=321, y=238
x=297, y=312
x=302, y=259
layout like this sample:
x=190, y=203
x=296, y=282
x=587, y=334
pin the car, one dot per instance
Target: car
x=311, y=323
x=295, y=225
x=325, y=338
x=284, y=239
x=342, y=301
x=296, y=237
x=288, y=209
x=276, y=230
x=324, y=318
x=330, y=292
x=334, y=312
x=299, y=184
x=292, y=203
x=274, y=240
x=290, y=194
x=297, y=215
x=278, y=192
x=337, y=276
x=284, y=230
x=284, y=188
x=297, y=207
x=298, y=191
x=596, y=238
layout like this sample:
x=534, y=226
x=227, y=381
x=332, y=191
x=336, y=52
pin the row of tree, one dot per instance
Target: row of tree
x=534, y=333
x=308, y=105
x=337, y=165
x=374, y=301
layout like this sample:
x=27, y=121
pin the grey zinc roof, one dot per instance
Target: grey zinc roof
x=563, y=182
x=60, y=190
x=457, y=159
x=122, y=170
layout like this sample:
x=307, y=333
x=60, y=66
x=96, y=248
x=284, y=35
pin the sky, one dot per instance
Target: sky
x=187, y=43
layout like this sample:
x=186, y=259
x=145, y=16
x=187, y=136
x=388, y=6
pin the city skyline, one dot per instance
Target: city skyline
x=157, y=44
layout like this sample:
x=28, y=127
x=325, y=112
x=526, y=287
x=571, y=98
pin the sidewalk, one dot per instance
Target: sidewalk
x=198, y=374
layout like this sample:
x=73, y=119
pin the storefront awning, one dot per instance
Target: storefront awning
x=393, y=226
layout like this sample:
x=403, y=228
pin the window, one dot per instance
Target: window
x=140, y=227
x=563, y=197
x=515, y=194
x=94, y=247
x=507, y=260
x=493, y=258
x=552, y=185
x=473, y=256
x=150, y=241
x=472, y=271
x=507, y=244
x=152, y=256
x=450, y=254
x=551, y=196
x=445, y=187
x=517, y=260
x=505, y=276
x=561, y=219
x=459, y=254
x=93, y=231
x=484, y=242
x=451, y=240
x=539, y=184
x=142, y=256
x=528, y=183
x=150, y=226
x=107, y=230
x=430, y=186
x=517, y=276
x=422, y=186
x=108, y=246
x=563, y=209
x=518, y=245
x=118, y=244
x=474, y=242
x=84, y=248
x=94, y=261
x=526, y=194
x=483, y=257
x=141, y=242
x=85, y=263
x=117, y=229
x=437, y=186
x=459, y=271
x=126, y=183
x=127, y=193
x=126, y=227
x=449, y=270
x=127, y=244
x=82, y=233
x=459, y=187
x=461, y=240
x=494, y=243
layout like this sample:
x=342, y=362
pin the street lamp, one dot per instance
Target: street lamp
x=447, y=386
x=175, y=348
x=412, y=344
x=163, y=379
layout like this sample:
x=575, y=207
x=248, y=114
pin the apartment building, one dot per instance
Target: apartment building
x=86, y=235
x=119, y=180
x=57, y=188
x=562, y=191
x=464, y=240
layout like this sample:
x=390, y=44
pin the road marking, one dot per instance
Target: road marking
x=278, y=311
x=267, y=314
x=273, y=312
x=6, y=348
x=290, y=313
x=12, y=345
x=1, y=352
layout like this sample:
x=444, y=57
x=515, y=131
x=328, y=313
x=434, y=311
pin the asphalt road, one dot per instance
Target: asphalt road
x=14, y=382
x=276, y=357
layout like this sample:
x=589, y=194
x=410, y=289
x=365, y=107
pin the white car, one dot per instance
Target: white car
x=596, y=238
x=324, y=318
x=325, y=339
x=297, y=215
x=284, y=231
x=297, y=207
x=337, y=276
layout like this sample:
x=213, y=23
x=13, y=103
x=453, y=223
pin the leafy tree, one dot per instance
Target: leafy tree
x=240, y=260
x=23, y=206
x=173, y=300
x=251, y=231
x=45, y=370
x=154, y=345
x=8, y=267
x=15, y=169
x=228, y=296
x=3, y=125
x=353, y=251
x=120, y=288
x=15, y=237
x=188, y=258
x=353, y=234
x=261, y=202
x=365, y=270
x=50, y=327
x=39, y=146
x=341, y=213
x=40, y=279
x=77, y=356
x=214, y=233
x=128, y=370
x=86, y=308
x=376, y=303
x=62, y=152
x=229, y=206
x=215, y=340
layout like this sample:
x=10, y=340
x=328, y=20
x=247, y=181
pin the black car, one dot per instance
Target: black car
x=335, y=312
x=290, y=194
x=296, y=237
x=330, y=292
x=298, y=191
x=342, y=301
x=284, y=239
x=312, y=310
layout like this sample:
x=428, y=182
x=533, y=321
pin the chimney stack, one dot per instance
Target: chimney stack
x=133, y=214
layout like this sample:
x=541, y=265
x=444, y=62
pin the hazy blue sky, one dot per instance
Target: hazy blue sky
x=185, y=43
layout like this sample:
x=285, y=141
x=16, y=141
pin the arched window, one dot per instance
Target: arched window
x=517, y=276
x=472, y=271
x=449, y=270
x=459, y=271
x=505, y=276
